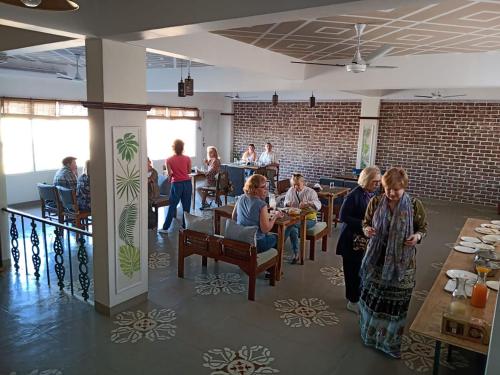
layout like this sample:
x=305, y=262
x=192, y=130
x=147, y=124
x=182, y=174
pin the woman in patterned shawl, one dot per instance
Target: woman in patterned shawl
x=395, y=223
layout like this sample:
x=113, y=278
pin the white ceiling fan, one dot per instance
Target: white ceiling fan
x=237, y=96
x=77, y=76
x=358, y=64
x=437, y=95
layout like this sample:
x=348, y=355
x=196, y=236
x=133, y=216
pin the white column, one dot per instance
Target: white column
x=4, y=222
x=116, y=73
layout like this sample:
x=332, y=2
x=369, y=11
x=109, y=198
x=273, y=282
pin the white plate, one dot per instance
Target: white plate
x=450, y=287
x=493, y=284
x=496, y=222
x=491, y=238
x=477, y=245
x=453, y=274
x=487, y=230
x=470, y=239
x=469, y=244
x=492, y=226
x=465, y=249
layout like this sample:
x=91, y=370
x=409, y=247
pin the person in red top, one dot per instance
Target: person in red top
x=178, y=167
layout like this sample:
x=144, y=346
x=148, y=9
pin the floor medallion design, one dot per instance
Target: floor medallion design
x=135, y=326
x=334, y=274
x=245, y=361
x=213, y=284
x=420, y=295
x=305, y=312
x=437, y=265
x=158, y=260
x=418, y=354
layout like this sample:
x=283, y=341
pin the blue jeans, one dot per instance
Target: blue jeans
x=180, y=191
x=293, y=232
x=267, y=242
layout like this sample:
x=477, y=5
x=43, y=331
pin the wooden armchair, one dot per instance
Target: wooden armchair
x=50, y=203
x=71, y=211
x=222, y=188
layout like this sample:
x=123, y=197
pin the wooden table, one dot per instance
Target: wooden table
x=194, y=178
x=330, y=194
x=280, y=226
x=348, y=177
x=428, y=320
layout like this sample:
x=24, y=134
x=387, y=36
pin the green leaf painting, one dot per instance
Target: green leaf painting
x=127, y=146
x=130, y=260
x=129, y=183
x=128, y=218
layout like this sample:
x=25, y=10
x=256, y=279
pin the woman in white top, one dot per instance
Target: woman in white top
x=300, y=196
x=250, y=155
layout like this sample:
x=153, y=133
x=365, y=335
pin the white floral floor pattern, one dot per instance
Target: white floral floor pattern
x=418, y=354
x=50, y=371
x=213, y=284
x=420, y=295
x=157, y=260
x=135, y=326
x=245, y=361
x=437, y=265
x=305, y=312
x=334, y=274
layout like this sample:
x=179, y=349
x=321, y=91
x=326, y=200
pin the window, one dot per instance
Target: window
x=162, y=133
x=17, y=153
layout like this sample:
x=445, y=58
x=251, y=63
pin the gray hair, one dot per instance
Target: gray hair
x=367, y=175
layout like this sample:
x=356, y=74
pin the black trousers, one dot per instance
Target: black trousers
x=351, y=275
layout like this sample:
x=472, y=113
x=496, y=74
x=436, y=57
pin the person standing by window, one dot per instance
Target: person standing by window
x=178, y=167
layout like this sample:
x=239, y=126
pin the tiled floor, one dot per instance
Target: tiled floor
x=204, y=324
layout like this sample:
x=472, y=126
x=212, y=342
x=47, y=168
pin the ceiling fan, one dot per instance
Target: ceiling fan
x=57, y=5
x=77, y=76
x=238, y=97
x=358, y=64
x=437, y=95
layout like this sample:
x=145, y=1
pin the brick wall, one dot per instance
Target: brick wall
x=451, y=150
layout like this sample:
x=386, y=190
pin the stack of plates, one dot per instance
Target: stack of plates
x=484, y=230
x=465, y=249
x=491, y=238
x=471, y=239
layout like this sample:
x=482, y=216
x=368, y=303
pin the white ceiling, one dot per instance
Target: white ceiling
x=186, y=32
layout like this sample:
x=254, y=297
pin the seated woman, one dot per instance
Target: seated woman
x=249, y=156
x=300, y=196
x=83, y=189
x=213, y=163
x=153, y=192
x=251, y=210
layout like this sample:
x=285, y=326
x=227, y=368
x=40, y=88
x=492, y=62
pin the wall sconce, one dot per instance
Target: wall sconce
x=181, y=88
x=312, y=101
x=189, y=83
x=275, y=99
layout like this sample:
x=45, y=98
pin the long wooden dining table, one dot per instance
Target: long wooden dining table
x=280, y=226
x=428, y=320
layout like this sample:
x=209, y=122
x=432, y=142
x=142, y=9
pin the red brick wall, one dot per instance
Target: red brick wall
x=451, y=150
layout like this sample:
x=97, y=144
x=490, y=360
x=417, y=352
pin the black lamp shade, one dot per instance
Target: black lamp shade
x=312, y=101
x=181, y=89
x=189, y=86
x=275, y=99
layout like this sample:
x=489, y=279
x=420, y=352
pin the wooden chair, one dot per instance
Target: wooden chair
x=50, y=204
x=162, y=200
x=319, y=231
x=238, y=253
x=71, y=211
x=282, y=186
x=222, y=188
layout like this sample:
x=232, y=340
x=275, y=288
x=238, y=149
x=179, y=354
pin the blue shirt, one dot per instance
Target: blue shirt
x=248, y=212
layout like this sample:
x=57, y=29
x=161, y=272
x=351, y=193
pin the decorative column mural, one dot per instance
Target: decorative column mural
x=127, y=186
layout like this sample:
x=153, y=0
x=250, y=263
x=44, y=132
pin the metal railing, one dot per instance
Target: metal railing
x=58, y=249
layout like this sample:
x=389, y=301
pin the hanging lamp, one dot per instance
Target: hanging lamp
x=189, y=82
x=275, y=99
x=181, y=88
x=312, y=101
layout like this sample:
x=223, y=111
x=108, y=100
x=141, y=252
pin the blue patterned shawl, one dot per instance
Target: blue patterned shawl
x=392, y=234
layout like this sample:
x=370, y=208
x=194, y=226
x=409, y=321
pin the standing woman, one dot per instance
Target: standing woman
x=395, y=223
x=178, y=167
x=351, y=215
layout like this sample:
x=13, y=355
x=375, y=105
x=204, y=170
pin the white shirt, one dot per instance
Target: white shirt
x=307, y=195
x=267, y=158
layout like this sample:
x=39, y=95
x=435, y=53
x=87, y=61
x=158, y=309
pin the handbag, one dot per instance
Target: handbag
x=360, y=242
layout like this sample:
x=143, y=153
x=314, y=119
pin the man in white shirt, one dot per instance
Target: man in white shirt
x=270, y=160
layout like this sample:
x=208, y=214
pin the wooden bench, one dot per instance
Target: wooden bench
x=238, y=253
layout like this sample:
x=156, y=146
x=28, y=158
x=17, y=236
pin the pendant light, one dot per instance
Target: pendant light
x=189, y=82
x=275, y=99
x=181, y=89
x=312, y=101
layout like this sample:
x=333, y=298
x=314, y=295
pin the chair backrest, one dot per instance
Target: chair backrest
x=283, y=186
x=68, y=199
x=164, y=184
x=47, y=192
x=223, y=182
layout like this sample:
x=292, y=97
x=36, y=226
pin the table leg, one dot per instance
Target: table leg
x=329, y=218
x=437, y=355
x=281, y=250
x=303, y=233
x=216, y=223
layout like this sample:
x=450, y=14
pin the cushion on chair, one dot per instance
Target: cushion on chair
x=199, y=223
x=237, y=232
x=318, y=227
x=266, y=256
